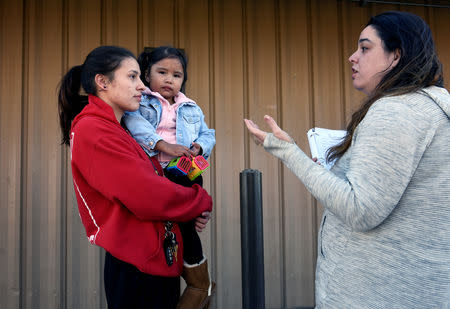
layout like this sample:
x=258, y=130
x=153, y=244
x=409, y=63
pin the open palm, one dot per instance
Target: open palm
x=259, y=136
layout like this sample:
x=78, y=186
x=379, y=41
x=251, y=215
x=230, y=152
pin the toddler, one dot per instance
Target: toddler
x=168, y=124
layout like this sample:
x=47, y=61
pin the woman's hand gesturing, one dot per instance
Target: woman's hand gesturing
x=259, y=136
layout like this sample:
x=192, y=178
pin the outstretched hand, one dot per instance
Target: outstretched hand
x=259, y=136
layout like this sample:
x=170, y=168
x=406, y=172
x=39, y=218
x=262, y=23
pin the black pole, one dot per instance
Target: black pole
x=252, y=240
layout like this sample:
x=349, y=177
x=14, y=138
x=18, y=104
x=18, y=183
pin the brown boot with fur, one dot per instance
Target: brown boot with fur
x=199, y=290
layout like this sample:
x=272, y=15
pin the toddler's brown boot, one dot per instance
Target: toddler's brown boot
x=199, y=290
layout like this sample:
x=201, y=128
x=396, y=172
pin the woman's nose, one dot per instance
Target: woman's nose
x=352, y=58
x=141, y=85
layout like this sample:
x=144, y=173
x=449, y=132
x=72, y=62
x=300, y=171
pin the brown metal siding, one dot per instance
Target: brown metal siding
x=247, y=58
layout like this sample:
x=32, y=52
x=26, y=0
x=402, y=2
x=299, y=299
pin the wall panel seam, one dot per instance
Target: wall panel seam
x=341, y=64
x=279, y=94
x=23, y=156
x=139, y=25
x=102, y=22
x=245, y=90
x=212, y=124
x=176, y=23
x=63, y=167
x=313, y=202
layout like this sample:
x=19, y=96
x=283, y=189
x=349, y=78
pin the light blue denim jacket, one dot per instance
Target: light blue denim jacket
x=191, y=126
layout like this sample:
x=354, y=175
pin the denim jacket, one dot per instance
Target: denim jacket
x=191, y=126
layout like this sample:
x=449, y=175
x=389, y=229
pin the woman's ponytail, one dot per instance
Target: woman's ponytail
x=70, y=102
x=102, y=60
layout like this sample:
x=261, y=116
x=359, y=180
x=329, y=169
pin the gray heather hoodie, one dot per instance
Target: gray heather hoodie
x=384, y=240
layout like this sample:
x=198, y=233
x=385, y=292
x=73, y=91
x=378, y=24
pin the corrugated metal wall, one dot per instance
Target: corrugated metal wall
x=247, y=58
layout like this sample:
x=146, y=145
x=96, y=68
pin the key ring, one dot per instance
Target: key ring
x=168, y=226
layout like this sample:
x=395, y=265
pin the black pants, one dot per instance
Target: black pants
x=193, y=252
x=127, y=287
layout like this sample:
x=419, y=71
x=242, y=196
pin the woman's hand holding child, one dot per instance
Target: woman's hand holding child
x=200, y=222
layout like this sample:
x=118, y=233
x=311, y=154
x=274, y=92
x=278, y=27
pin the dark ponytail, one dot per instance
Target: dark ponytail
x=102, y=60
x=70, y=102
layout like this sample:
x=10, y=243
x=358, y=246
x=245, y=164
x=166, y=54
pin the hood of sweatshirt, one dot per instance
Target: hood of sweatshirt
x=441, y=97
x=97, y=107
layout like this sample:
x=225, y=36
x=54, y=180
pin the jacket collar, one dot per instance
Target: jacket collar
x=98, y=108
x=179, y=98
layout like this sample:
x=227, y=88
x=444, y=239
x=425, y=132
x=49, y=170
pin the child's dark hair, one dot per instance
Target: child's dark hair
x=148, y=58
x=102, y=60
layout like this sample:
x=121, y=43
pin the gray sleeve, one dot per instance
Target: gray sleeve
x=385, y=152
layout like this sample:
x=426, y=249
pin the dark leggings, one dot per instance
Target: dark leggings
x=127, y=287
x=193, y=252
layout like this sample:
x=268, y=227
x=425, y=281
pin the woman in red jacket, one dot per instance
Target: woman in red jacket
x=125, y=204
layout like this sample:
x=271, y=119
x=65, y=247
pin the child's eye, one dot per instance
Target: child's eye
x=364, y=49
x=178, y=75
x=133, y=76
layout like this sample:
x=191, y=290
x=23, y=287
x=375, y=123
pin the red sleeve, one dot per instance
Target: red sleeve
x=115, y=166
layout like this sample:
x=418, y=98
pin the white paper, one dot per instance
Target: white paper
x=320, y=140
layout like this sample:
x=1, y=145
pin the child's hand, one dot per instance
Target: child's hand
x=173, y=149
x=196, y=149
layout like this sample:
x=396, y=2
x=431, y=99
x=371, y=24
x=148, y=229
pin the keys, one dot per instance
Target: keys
x=170, y=247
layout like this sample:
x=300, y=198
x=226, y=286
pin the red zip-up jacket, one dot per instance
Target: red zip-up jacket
x=122, y=201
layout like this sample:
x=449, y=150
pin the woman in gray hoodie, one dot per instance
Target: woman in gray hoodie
x=384, y=240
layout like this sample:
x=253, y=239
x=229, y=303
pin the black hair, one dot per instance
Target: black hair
x=148, y=58
x=102, y=60
x=418, y=67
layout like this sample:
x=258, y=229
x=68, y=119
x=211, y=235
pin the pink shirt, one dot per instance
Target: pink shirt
x=167, y=127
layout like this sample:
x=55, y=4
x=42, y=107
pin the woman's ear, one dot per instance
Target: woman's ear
x=101, y=81
x=397, y=56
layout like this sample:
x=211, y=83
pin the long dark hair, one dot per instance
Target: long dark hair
x=102, y=60
x=148, y=58
x=419, y=66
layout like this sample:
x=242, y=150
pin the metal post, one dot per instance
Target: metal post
x=252, y=249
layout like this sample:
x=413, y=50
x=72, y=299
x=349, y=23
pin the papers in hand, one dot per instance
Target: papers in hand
x=320, y=140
